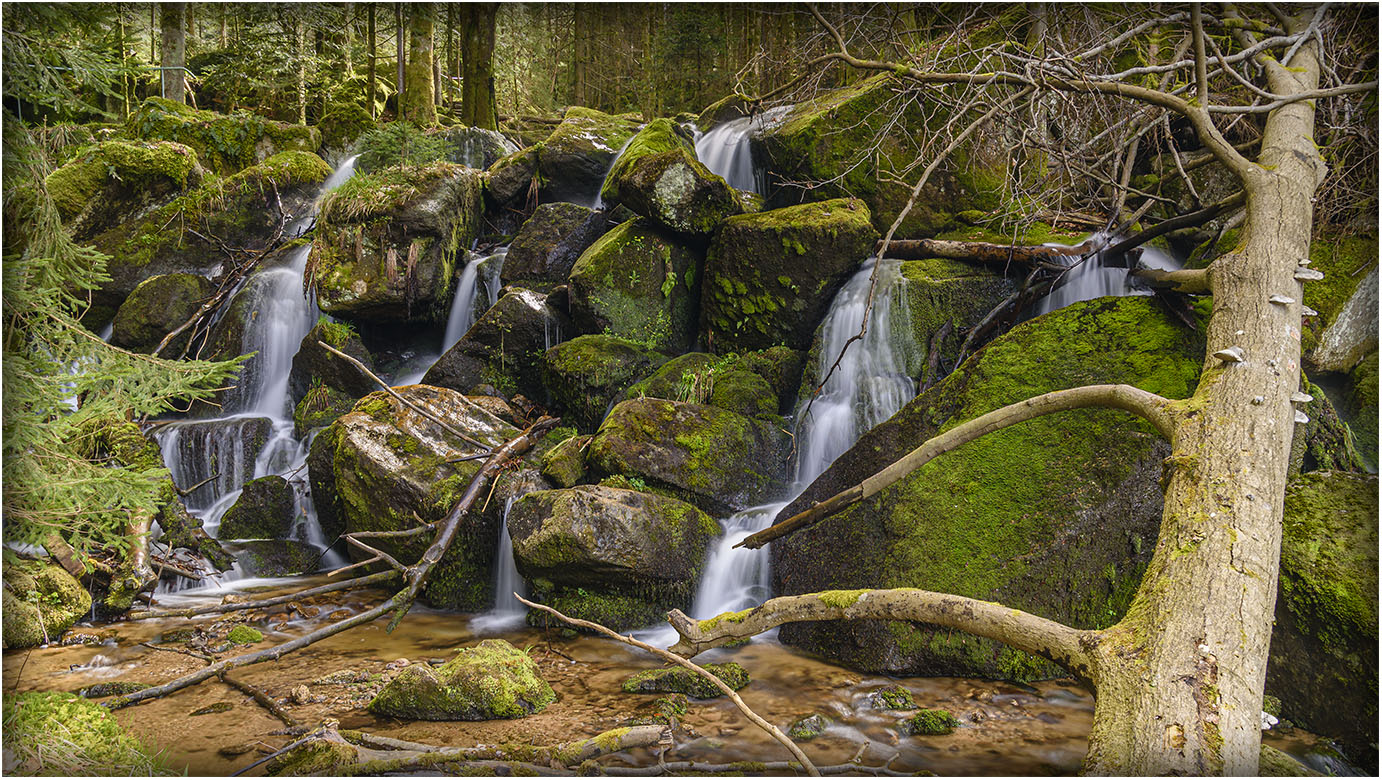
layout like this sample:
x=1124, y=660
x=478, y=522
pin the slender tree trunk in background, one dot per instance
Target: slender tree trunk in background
x=578, y=47
x=174, y=50
x=398, y=39
x=153, y=33
x=120, y=44
x=416, y=104
x=373, y=60
x=225, y=37
x=300, y=30
x=348, y=42
x=478, y=102
x=450, y=56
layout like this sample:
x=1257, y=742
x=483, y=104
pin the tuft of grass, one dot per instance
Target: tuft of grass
x=56, y=734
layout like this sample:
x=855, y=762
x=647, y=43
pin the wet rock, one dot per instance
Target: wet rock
x=1323, y=662
x=640, y=283
x=823, y=141
x=1360, y=408
x=731, y=382
x=586, y=373
x=474, y=147
x=1274, y=763
x=1353, y=333
x=314, y=366
x=809, y=727
x=224, y=449
x=491, y=680
x=720, y=460
x=770, y=276
x=929, y=723
x=321, y=480
x=393, y=468
x=508, y=180
x=659, y=177
x=940, y=290
x=342, y=677
x=301, y=695
x=608, y=542
x=894, y=698
x=274, y=558
x=564, y=464
x=546, y=248
x=575, y=157
x=114, y=180
x=678, y=680
x=728, y=108
x=1325, y=442
x=114, y=688
x=1338, y=336
x=265, y=510
x=388, y=242
x=41, y=600
x=1012, y=517
x=503, y=348
x=226, y=143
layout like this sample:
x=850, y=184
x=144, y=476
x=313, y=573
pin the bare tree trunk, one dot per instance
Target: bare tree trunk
x=172, y=20
x=398, y=36
x=416, y=101
x=300, y=33
x=373, y=60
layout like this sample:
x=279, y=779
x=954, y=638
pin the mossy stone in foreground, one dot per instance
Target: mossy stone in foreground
x=492, y=680
x=39, y=597
x=809, y=727
x=678, y=680
x=157, y=306
x=929, y=723
x=245, y=635
x=894, y=698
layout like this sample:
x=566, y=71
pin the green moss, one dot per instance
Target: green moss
x=1344, y=261
x=133, y=164
x=619, y=286
x=57, y=734
x=679, y=680
x=226, y=143
x=245, y=635
x=839, y=599
x=809, y=728
x=40, y=601
x=585, y=373
x=491, y=680
x=657, y=137
x=930, y=723
x=316, y=757
x=370, y=195
x=115, y=688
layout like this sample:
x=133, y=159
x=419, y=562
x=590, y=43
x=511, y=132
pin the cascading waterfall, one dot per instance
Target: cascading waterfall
x=478, y=269
x=507, y=612
x=869, y=386
x=727, y=152
x=1096, y=277
x=283, y=317
x=599, y=194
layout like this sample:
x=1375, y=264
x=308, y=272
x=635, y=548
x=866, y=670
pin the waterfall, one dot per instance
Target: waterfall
x=726, y=150
x=477, y=269
x=869, y=386
x=507, y=612
x=1099, y=276
x=599, y=194
x=227, y=448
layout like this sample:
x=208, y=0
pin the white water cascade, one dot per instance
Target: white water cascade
x=508, y=612
x=726, y=151
x=478, y=269
x=869, y=386
x=221, y=448
x=1097, y=277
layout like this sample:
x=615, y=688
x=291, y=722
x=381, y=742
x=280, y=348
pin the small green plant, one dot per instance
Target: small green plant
x=337, y=334
x=317, y=398
x=398, y=143
x=695, y=386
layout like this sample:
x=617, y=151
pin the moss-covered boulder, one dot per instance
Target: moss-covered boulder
x=608, y=541
x=1324, y=442
x=274, y=558
x=491, y=680
x=342, y=124
x=314, y=366
x=575, y=157
x=510, y=178
x=659, y=177
x=239, y=210
x=391, y=466
x=224, y=143
x=265, y=510
x=584, y=375
x=157, y=306
x=41, y=600
x=1348, y=264
x=388, y=243
x=929, y=723
x=728, y=108
x=61, y=734
x=639, y=283
x=1323, y=663
x=849, y=142
x=564, y=464
x=674, y=679
x=504, y=348
x=940, y=291
x=720, y=460
x=549, y=243
x=474, y=147
x=769, y=277
x=1360, y=408
x=113, y=180
x=729, y=382
x=1057, y=516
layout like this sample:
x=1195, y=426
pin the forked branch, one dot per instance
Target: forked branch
x=1149, y=406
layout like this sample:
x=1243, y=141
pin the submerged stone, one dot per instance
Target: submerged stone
x=809, y=727
x=675, y=679
x=492, y=680
x=265, y=510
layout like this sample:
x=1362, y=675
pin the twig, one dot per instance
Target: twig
x=181, y=650
x=261, y=698
x=772, y=730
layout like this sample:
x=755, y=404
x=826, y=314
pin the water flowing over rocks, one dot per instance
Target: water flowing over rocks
x=659, y=177
x=504, y=348
x=574, y=158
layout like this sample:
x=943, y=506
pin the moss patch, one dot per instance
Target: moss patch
x=679, y=680
x=41, y=600
x=50, y=733
x=491, y=680
x=226, y=143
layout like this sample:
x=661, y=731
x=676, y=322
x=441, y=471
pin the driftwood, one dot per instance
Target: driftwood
x=262, y=699
x=419, y=756
x=216, y=609
x=773, y=731
x=400, y=603
x=983, y=252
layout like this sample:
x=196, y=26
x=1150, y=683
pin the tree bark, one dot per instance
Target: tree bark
x=373, y=60
x=172, y=19
x=478, y=104
x=416, y=103
x=981, y=252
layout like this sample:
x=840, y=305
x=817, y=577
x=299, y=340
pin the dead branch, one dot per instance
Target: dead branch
x=1193, y=281
x=563, y=754
x=772, y=730
x=1192, y=219
x=216, y=609
x=415, y=407
x=982, y=252
x=933, y=355
x=262, y=699
x=400, y=602
x=1022, y=630
x=1149, y=406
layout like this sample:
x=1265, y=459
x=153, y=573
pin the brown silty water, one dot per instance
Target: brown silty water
x=1005, y=729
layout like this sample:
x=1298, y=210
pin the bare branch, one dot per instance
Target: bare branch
x=1148, y=406
x=216, y=609
x=1191, y=281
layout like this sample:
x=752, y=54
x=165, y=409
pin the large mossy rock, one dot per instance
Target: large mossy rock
x=549, y=243
x=770, y=277
x=41, y=600
x=940, y=291
x=265, y=510
x=1323, y=663
x=504, y=348
x=474, y=147
x=491, y=680
x=659, y=177
x=509, y=179
x=753, y=385
x=388, y=243
x=274, y=557
x=239, y=210
x=342, y=124
x=575, y=157
x=157, y=306
x=640, y=283
x=717, y=459
x=390, y=467
x=224, y=143
x=114, y=180
x=314, y=366
x=1361, y=405
x=1336, y=339
x=837, y=142
x=1057, y=516
x=675, y=679
x=605, y=542
x=584, y=375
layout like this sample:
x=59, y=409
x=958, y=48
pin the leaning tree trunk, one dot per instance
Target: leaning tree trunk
x=1181, y=676
x=416, y=102
x=172, y=20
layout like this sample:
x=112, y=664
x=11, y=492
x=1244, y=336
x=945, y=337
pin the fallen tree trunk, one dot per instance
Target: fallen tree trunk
x=982, y=252
x=563, y=754
x=215, y=609
x=399, y=603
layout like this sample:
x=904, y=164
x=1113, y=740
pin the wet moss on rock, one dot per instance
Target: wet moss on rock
x=138, y=169
x=929, y=723
x=588, y=372
x=61, y=734
x=265, y=509
x=41, y=600
x=679, y=680
x=659, y=177
x=491, y=680
x=157, y=306
x=225, y=142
